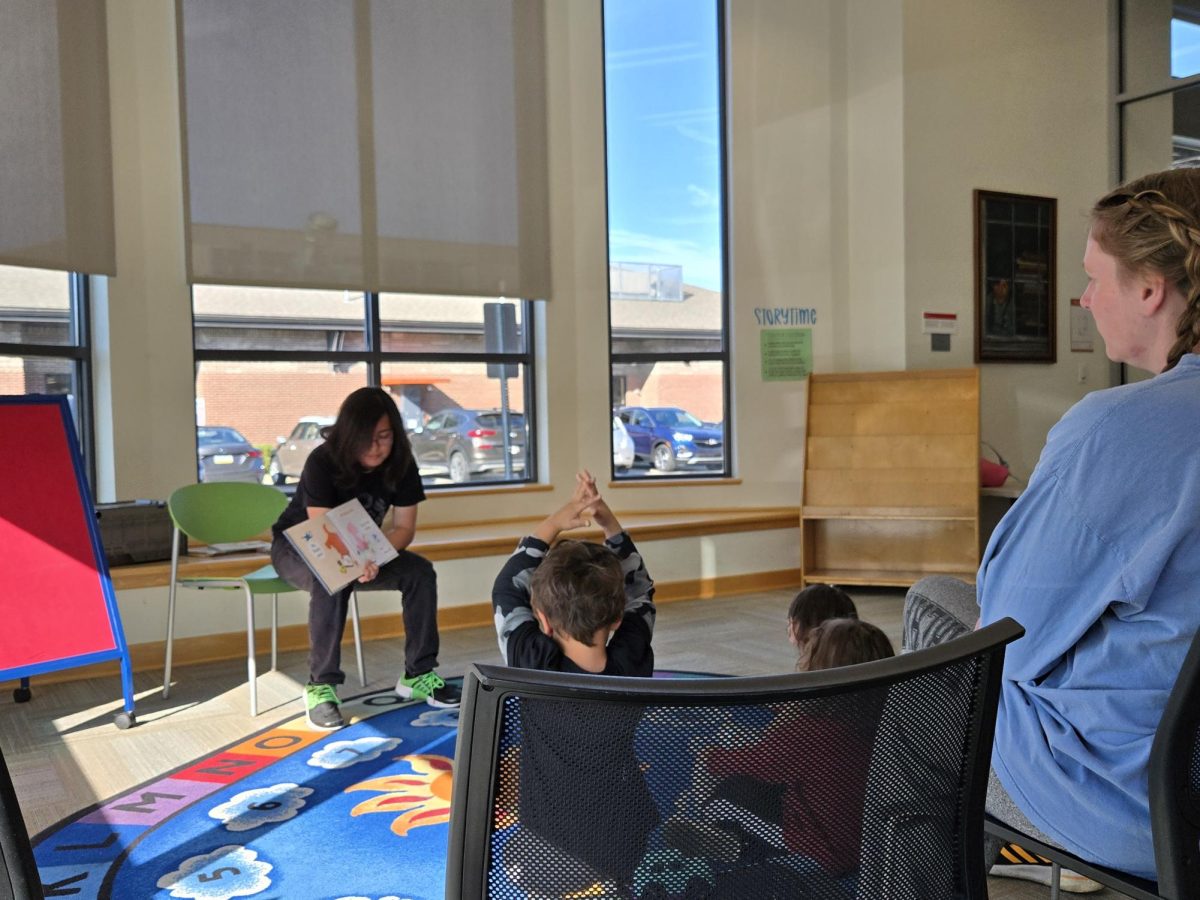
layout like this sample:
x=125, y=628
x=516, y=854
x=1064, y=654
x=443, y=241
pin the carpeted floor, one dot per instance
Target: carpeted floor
x=287, y=813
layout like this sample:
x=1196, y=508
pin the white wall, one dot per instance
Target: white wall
x=875, y=195
x=1013, y=97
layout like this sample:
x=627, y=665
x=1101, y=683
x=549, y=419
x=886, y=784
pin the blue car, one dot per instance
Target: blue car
x=668, y=437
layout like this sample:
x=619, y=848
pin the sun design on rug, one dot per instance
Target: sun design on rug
x=422, y=797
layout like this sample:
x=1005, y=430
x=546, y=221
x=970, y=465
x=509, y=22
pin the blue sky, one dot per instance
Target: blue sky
x=664, y=148
x=1185, y=48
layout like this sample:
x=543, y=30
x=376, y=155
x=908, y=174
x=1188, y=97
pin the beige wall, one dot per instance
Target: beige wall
x=856, y=133
x=1011, y=97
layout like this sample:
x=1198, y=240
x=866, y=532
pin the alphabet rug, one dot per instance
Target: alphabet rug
x=355, y=814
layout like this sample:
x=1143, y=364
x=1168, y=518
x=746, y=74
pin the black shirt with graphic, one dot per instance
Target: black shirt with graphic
x=318, y=488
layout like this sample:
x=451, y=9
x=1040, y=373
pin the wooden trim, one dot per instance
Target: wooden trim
x=148, y=657
x=897, y=376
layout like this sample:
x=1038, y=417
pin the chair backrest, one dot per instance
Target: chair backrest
x=861, y=782
x=18, y=874
x=216, y=512
x=1175, y=784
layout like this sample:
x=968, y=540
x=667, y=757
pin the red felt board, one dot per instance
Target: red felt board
x=52, y=589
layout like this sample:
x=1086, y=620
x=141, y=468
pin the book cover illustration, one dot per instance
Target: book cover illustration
x=338, y=542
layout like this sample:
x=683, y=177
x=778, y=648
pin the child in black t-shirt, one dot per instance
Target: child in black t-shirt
x=366, y=455
x=583, y=608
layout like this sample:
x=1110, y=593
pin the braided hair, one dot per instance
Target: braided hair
x=1152, y=225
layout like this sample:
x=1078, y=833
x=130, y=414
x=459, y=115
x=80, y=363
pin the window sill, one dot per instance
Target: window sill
x=467, y=490
x=673, y=480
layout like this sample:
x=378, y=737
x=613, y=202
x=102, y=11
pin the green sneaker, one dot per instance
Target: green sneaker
x=321, y=701
x=431, y=688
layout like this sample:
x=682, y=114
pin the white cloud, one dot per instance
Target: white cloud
x=437, y=718
x=261, y=806
x=230, y=871
x=701, y=197
x=344, y=754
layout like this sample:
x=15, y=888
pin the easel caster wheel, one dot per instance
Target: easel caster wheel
x=124, y=720
x=22, y=695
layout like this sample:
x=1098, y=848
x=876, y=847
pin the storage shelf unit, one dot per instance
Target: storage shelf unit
x=891, y=477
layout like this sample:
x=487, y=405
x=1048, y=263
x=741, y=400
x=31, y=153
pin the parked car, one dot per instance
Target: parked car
x=622, y=445
x=291, y=452
x=224, y=454
x=460, y=443
x=668, y=437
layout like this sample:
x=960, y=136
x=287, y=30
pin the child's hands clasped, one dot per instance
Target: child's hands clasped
x=585, y=505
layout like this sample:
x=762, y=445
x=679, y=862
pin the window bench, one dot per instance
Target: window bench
x=491, y=538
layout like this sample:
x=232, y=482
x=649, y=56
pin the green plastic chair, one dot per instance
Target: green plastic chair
x=225, y=512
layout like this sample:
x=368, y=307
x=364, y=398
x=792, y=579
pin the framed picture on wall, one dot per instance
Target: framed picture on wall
x=1014, y=277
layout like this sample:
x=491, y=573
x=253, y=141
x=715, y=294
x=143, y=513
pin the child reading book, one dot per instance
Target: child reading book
x=365, y=456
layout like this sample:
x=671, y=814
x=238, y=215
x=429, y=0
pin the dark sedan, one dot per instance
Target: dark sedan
x=226, y=455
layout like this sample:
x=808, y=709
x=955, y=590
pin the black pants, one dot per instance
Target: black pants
x=409, y=573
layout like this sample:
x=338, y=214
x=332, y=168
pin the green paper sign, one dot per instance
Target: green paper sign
x=786, y=354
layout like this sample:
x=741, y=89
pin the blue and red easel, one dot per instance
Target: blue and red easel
x=57, y=606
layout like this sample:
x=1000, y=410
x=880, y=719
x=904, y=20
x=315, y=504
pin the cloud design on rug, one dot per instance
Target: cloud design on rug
x=389, y=897
x=230, y=871
x=261, y=806
x=344, y=754
x=437, y=718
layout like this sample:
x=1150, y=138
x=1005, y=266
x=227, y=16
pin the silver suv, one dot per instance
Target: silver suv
x=291, y=452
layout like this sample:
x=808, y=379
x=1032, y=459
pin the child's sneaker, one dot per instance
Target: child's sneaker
x=321, y=701
x=1017, y=862
x=431, y=688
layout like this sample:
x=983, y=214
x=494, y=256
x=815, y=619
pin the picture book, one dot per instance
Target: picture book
x=337, y=543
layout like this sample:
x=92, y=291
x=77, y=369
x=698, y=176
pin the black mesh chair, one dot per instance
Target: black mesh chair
x=1174, y=804
x=18, y=874
x=861, y=782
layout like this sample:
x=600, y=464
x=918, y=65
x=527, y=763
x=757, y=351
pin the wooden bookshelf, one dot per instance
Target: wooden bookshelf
x=891, y=477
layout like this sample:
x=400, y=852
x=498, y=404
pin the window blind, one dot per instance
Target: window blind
x=384, y=145
x=56, y=203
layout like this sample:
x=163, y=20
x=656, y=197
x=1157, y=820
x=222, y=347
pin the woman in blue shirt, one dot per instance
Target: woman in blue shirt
x=1099, y=559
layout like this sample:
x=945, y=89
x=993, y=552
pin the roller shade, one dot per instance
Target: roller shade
x=394, y=145
x=56, y=199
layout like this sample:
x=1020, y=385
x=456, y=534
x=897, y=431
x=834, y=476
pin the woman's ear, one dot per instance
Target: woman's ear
x=1153, y=294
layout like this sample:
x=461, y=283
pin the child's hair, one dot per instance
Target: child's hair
x=814, y=605
x=843, y=642
x=352, y=432
x=580, y=588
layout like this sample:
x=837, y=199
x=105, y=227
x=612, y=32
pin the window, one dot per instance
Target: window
x=669, y=342
x=44, y=342
x=1159, y=105
x=275, y=364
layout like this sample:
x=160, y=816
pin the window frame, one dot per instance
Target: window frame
x=1124, y=98
x=374, y=358
x=724, y=355
x=79, y=353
